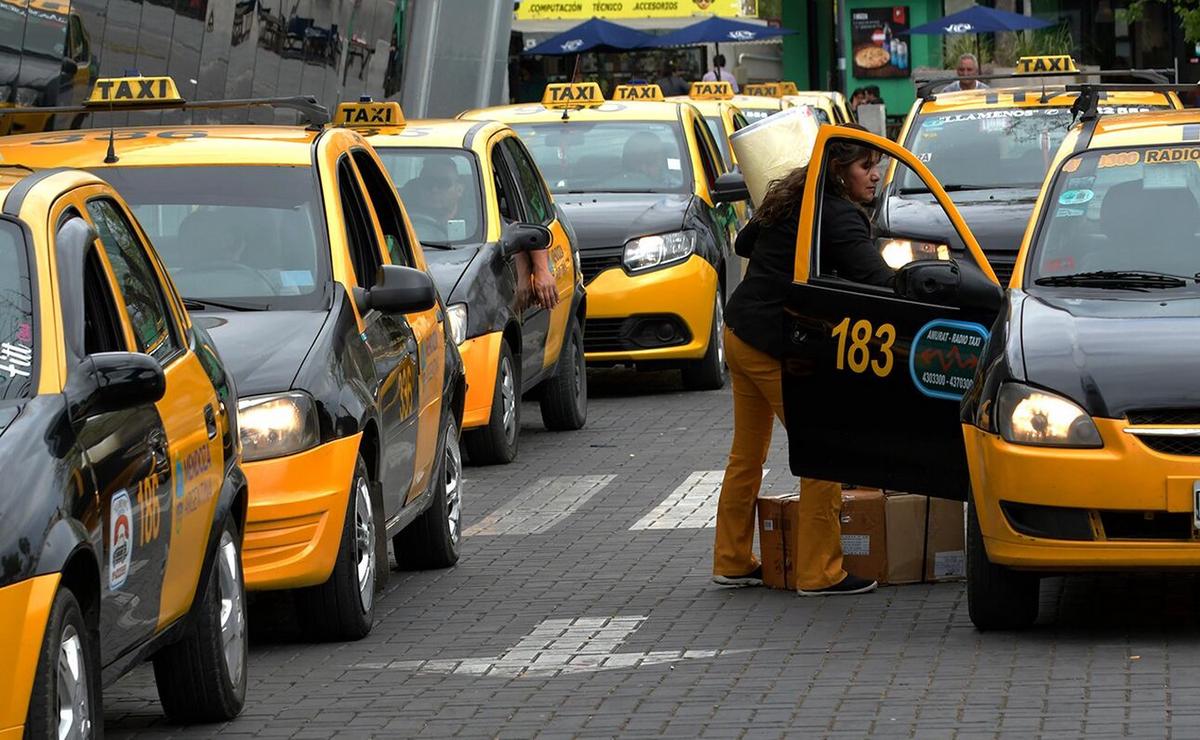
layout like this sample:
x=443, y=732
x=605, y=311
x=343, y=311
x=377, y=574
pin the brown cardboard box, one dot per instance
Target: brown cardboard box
x=864, y=534
x=770, y=541
x=916, y=554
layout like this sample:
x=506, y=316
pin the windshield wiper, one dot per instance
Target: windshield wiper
x=202, y=304
x=1118, y=280
x=956, y=188
x=436, y=245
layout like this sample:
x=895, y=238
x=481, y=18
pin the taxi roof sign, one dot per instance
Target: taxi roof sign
x=572, y=95
x=648, y=91
x=369, y=114
x=771, y=89
x=120, y=91
x=1036, y=64
x=710, y=91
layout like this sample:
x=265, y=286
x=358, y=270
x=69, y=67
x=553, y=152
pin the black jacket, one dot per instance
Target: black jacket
x=847, y=248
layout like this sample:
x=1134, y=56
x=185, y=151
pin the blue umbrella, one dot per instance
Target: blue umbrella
x=976, y=19
x=719, y=31
x=593, y=35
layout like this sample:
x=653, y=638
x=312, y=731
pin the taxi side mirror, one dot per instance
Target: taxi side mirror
x=114, y=381
x=518, y=237
x=730, y=188
x=948, y=283
x=398, y=289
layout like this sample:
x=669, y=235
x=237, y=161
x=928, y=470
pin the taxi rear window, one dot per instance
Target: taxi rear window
x=440, y=191
x=1135, y=209
x=16, y=315
x=610, y=156
x=246, y=235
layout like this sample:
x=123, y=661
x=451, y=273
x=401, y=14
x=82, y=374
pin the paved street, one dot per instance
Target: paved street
x=582, y=606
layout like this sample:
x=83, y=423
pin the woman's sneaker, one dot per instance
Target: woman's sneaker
x=847, y=586
x=753, y=578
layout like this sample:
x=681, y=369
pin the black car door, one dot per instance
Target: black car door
x=873, y=381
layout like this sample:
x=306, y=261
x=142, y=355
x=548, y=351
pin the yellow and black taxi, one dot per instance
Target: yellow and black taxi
x=829, y=106
x=714, y=100
x=124, y=503
x=479, y=204
x=45, y=59
x=638, y=182
x=990, y=147
x=289, y=245
x=759, y=100
x=1064, y=409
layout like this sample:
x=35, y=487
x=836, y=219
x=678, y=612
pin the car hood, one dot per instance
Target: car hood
x=262, y=349
x=1112, y=355
x=611, y=219
x=997, y=218
x=447, y=266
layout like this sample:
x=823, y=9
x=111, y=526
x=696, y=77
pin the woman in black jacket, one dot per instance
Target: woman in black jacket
x=754, y=347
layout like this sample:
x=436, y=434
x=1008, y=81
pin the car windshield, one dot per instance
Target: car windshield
x=16, y=315
x=245, y=236
x=610, y=156
x=36, y=30
x=1122, y=211
x=440, y=190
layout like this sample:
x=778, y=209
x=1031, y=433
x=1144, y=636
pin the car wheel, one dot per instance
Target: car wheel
x=708, y=373
x=343, y=607
x=998, y=598
x=432, y=540
x=564, y=397
x=202, y=678
x=496, y=443
x=66, y=689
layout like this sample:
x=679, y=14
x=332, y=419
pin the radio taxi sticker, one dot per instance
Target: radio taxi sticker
x=1172, y=155
x=1075, y=197
x=120, y=539
x=944, y=357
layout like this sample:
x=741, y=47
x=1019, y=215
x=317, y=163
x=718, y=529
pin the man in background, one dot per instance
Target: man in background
x=671, y=82
x=968, y=66
x=719, y=74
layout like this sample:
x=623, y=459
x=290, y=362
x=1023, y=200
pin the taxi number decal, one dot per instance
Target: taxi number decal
x=858, y=355
x=118, y=136
x=1120, y=159
x=149, y=510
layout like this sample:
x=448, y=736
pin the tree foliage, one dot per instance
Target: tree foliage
x=1187, y=10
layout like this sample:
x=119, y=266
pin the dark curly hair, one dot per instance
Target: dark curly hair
x=784, y=195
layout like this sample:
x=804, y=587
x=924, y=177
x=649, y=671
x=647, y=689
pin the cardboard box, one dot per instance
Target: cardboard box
x=770, y=541
x=925, y=539
x=864, y=533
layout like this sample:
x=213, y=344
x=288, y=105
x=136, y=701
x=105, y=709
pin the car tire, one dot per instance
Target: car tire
x=709, y=372
x=432, y=540
x=343, y=607
x=998, y=598
x=496, y=443
x=67, y=682
x=564, y=397
x=202, y=677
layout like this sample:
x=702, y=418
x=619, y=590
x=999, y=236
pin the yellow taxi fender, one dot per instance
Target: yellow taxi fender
x=296, y=511
x=24, y=610
x=481, y=356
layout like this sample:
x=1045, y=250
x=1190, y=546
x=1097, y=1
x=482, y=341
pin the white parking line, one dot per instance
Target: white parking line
x=693, y=505
x=541, y=505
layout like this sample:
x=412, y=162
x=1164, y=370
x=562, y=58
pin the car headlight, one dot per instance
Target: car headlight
x=456, y=314
x=898, y=251
x=277, y=425
x=27, y=97
x=658, y=250
x=1028, y=416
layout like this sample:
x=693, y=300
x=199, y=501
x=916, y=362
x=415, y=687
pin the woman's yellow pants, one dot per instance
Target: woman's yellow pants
x=757, y=400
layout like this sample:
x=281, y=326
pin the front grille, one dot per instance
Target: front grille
x=1172, y=445
x=595, y=261
x=1003, y=263
x=647, y=331
x=602, y=335
x=1164, y=416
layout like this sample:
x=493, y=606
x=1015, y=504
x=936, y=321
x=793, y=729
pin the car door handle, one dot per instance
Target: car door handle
x=158, y=450
x=210, y=421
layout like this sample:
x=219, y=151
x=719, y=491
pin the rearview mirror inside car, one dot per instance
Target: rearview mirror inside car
x=730, y=188
x=399, y=289
x=519, y=237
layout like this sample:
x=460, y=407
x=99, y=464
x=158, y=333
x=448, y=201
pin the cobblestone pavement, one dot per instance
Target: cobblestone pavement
x=582, y=607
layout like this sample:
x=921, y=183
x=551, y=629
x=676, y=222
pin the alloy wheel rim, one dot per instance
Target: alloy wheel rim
x=74, y=710
x=508, y=399
x=233, y=610
x=453, y=473
x=364, y=543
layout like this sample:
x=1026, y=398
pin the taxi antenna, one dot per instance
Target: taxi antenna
x=110, y=156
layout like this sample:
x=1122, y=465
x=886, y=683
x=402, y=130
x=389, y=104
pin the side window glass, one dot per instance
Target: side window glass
x=360, y=236
x=141, y=291
x=850, y=244
x=387, y=208
x=739, y=122
x=101, y=322
x=537, y=200
x=505, y=196
x=705, y=146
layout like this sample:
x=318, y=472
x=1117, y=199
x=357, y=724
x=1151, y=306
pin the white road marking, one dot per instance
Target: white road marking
x=693, y=505
x=558, y=647
x=541, y=505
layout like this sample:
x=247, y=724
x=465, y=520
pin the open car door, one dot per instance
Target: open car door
x=874, y=375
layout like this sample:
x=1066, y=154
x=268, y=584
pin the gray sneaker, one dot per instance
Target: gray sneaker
x=753, y=578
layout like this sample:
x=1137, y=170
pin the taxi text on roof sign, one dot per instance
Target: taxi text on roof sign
x=118, y=91
x=710, y=91
x=368, y=114
x=1058, y=63
x=638, y=92
x=771, y=89
x=572, y=95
